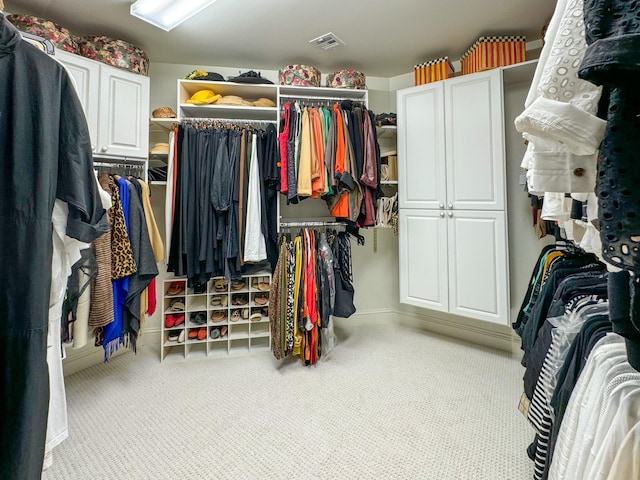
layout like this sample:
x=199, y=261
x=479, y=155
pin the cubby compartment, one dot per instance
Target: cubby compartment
x=239, y=346
x=218, y=349
x=259, y=330
x=196, y=303
x=221, y=335
x=259, y=344
x=196, y=350
x=238, y=331
x=175, y=288
x=174, y=304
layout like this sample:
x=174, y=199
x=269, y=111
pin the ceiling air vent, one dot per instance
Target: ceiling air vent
x=327, y=41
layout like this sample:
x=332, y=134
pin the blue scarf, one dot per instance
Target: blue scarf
x=113, y=333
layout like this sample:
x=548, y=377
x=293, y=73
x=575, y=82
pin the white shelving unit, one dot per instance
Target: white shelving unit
x=249, y=92
x=243, y=335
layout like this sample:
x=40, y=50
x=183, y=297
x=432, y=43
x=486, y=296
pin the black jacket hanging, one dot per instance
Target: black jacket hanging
x=45, y=152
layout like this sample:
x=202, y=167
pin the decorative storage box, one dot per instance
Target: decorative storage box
x=302, y=75
x=59, y=36
x=433, y=71
x=492, y=52
x=117, y=53
x=347, y=79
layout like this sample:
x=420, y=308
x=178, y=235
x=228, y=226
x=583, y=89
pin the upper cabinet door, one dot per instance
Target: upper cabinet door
x=475, y=142
x=124, y=110
x=421, y=147
x=86, y=77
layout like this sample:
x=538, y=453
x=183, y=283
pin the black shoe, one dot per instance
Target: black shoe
x=198, y=318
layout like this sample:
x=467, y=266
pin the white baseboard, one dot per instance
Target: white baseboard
x=486, y=334
x=481, y=334
x=78, y=360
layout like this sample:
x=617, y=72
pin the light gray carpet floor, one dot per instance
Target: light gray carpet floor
x=389, y=403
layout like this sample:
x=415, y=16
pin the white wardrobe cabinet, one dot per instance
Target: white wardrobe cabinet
x=116, y=104
x=453, y=233
x=452, y=144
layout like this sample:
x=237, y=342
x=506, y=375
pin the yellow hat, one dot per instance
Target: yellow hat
x=203, y=97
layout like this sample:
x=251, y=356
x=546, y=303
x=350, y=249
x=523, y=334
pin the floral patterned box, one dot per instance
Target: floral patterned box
x=347, y=79
x=117, y=53
x=61, y=37
x=301, y=75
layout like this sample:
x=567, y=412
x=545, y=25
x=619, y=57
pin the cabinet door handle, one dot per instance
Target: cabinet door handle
x=450, y=214
x=104, y=149
x=450, y=205
x=441, y=205
x=442, y=214
x=93, y=148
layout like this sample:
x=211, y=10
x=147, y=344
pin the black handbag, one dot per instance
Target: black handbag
x=343, y=306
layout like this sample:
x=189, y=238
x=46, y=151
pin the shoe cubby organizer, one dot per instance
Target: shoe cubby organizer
x=217, y=319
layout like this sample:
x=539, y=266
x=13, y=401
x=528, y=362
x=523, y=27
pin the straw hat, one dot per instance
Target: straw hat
x=160, y=148
x=264, y=102
x=163, y=112
x=233, y=100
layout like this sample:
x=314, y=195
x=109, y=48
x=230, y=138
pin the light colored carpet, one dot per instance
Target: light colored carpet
x=389, y=403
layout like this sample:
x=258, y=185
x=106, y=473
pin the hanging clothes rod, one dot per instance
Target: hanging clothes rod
x=228, y=120
x=312, y=224
x=305, y=97
x=125, y=168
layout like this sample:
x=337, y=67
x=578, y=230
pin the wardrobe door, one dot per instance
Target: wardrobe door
x=478, y=285
x=475, y=142
x=423, y=259
x=124, y=113
x=86, y=78
x=421, y=147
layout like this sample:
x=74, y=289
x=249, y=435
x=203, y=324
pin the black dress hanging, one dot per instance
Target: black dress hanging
x=45, y=152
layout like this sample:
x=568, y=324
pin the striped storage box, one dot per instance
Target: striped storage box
x=491, y=52
x=433, y=71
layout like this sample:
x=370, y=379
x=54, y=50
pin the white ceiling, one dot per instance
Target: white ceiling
x=383, y=37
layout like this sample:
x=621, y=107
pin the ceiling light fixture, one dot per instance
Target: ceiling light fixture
x=167, y=14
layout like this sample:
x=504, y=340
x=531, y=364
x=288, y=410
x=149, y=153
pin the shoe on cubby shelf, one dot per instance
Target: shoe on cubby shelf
x=198, y=318
x=175, y=288
x=261, y=283
x=177, y=305
x=240, y=299
x=219, y=285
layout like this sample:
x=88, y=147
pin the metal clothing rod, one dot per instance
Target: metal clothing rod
x=228, y=120
x=312, y=224
x=305, y=97
x=138, y=168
